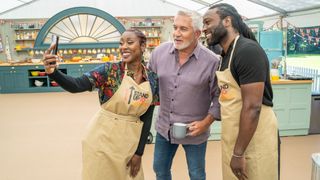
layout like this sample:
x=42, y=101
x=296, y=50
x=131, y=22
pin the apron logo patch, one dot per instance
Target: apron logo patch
x=224, y=92
x=136, y=97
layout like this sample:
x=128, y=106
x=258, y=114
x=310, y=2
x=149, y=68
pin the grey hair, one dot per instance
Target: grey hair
x=195, y=17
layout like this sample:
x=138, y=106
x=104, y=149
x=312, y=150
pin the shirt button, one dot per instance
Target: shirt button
x=171, y=99
x=178, y=74
x=171, y=112
x=175, y=86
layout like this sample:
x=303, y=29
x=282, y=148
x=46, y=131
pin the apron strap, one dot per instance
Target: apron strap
x=234, y=45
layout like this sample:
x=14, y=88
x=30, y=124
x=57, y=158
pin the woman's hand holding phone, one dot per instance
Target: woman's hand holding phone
x=49, y=62
x=50, y=57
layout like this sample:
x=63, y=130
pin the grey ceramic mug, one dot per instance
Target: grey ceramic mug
x=179, y=130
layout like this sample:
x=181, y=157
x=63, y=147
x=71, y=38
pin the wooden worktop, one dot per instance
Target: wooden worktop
x=286, y=81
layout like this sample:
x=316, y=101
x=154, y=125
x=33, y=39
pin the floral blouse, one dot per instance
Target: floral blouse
x=107, y=79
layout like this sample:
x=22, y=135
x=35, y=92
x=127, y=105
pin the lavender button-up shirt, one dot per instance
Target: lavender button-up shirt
x=188, y=92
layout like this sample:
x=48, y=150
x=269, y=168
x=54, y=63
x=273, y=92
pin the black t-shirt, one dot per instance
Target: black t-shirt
x=249, y=64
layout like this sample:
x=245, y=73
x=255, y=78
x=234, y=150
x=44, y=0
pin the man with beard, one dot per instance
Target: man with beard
x=188, y=94
x=249, y=126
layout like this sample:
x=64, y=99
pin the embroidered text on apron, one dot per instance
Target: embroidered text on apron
x=113, y=134
x=262, y=152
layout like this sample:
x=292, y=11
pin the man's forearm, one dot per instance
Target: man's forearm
x=209, y=119
x=249, y=119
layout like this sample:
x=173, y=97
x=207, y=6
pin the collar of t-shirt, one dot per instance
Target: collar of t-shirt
x=223, y=54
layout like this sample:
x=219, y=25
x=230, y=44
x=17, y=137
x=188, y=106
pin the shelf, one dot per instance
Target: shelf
x=146, y=26
x=24, y=50
x=153, y=37
x=29, y=29
x=39, y=87
x=38, y=77
x=25, y=39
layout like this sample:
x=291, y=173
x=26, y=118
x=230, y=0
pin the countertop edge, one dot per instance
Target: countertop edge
x=286, y=81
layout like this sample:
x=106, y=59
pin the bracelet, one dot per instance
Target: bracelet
x=237, y=156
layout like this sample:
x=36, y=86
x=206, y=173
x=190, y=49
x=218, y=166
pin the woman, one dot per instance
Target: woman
x=115, y=139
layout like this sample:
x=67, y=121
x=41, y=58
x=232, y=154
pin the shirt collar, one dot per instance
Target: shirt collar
x=196, y=51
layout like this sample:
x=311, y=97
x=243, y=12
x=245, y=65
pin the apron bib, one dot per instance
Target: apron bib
x=114, y=132
x=262, y=152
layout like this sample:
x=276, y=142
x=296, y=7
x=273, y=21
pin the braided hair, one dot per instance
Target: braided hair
x=142, y=37
x=224, y=10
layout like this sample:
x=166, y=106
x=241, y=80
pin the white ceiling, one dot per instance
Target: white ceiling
x=20, y=9
x=251, y=8
x=7, y=5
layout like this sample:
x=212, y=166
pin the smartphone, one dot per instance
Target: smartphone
x=55, y=43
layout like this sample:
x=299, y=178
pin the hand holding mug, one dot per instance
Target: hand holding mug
x=180, y=130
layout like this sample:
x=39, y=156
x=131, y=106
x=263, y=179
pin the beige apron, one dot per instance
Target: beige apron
x=113, y=134
x=262, y=152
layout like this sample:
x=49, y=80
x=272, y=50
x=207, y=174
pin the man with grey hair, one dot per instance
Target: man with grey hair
x=188, y=95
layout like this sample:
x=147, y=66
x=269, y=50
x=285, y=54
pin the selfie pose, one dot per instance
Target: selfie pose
x=249, y=134
x=116, y=136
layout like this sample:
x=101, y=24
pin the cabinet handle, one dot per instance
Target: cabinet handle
x=14, y=71
x=37, y=67
x=81, y=65
x=12, y=67
x=316, y=99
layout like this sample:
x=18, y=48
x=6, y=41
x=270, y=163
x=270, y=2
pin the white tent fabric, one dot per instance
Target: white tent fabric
x=23, y=9
x=118, y=8
x=10, y=5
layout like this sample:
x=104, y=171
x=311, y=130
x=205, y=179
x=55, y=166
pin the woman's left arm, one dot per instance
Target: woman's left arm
x=146, y=118
x=135, y=162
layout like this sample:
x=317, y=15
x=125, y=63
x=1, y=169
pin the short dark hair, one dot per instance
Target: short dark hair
x=224, y=10
x=142, y=37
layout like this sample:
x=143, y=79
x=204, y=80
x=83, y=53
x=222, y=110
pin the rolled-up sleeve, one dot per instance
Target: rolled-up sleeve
x=152, y=64
x=214, y=109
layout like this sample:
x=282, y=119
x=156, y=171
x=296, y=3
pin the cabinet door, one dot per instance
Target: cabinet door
x=74, y=70
x=292, y=103
x=6, y=82
x=20, y=79
x=89, y=67
x=77, y=70
x=13, y=80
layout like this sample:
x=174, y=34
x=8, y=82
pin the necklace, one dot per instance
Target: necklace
x=137, y=76
x=134, y=75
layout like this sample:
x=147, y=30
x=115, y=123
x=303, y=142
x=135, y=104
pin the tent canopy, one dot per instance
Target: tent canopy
x=250, y=9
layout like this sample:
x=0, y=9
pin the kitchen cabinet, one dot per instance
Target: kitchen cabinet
x=292, y=106
x=19, y=79
x=47, y=85
x=13, y=79
x=77, y=70
x=271, y=42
